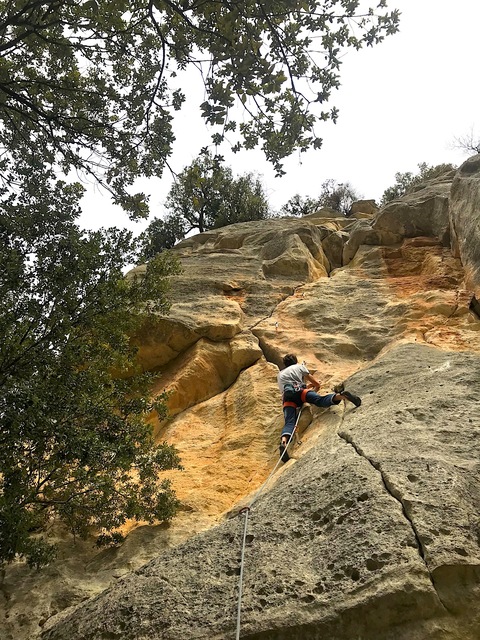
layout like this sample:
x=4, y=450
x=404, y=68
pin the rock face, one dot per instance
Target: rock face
x=465, y=220
x=371, y=530
x=369, y=534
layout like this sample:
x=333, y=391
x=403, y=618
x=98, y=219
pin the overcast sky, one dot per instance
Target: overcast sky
x=401, y=102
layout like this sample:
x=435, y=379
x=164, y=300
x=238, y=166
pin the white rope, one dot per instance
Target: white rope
x=246, y=510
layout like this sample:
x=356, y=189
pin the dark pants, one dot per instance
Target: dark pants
x=293, y=400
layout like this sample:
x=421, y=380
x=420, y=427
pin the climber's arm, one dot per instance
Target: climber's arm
x=314, y=384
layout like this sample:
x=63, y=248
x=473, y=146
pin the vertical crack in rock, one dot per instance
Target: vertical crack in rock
x=261, y=343
x=287, y=295
x=397, y=496
x=265, y=350
x=456, y=307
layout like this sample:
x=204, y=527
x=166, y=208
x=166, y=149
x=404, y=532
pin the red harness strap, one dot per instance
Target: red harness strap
x=303, y=395
x=290, y=404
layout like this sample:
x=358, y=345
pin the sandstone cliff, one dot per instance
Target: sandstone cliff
x=372, y=530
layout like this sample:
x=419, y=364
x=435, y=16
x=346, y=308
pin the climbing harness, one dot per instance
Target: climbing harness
x=246, y=511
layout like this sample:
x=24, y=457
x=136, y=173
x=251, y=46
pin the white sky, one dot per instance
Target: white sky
x=401, y=102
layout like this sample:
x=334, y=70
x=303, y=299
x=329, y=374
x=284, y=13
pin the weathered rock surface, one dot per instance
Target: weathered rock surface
x=424, y=212
x=362, y=233
x=233, y=277
x=413, y=291
x=227, y=444
x=369, y=534
x=371, y=530
x=205, y=370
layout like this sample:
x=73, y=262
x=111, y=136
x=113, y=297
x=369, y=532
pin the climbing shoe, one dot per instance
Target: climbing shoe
x=352, y=398
x=284, y=453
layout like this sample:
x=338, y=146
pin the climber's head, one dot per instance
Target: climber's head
x=289, y=359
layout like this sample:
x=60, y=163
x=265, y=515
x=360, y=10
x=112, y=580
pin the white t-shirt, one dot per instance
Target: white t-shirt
x=292, y=375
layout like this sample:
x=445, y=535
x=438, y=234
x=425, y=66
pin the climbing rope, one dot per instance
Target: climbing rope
x=246, y=511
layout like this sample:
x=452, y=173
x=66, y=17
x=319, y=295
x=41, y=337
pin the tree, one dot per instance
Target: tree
x=161, y=235
x=300, y=206
x=338, y=196
x=407, y=182
x=243, y=199
x=470, y=142
x=92, y=86
x=75, y=443
x=205, y=196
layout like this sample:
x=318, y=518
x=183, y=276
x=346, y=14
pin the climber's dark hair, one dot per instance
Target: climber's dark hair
x=289, y=359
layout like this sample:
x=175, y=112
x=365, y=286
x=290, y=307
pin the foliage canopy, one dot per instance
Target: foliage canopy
x=299, y=206
x=92, y=86
x=338, y=196
x=75, y=443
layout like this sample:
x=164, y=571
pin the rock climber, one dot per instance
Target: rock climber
x=292, y=382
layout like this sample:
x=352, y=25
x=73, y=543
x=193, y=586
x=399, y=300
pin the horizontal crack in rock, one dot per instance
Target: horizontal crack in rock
x=347, y=437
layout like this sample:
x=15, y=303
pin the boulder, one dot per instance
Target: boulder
x=333, y=245
x=300, y=255
x=362, y=233
x=368, y=207
x=423, y=212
